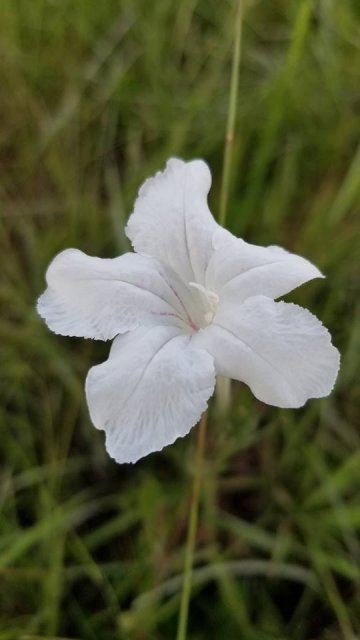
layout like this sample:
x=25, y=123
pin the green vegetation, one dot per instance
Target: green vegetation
x=95, y=95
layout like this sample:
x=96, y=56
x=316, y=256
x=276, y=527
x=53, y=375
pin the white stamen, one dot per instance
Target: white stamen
x=209, y=299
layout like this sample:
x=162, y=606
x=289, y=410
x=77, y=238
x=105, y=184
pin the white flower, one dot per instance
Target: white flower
x=192, y=302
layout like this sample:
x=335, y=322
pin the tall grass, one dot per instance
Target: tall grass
x=94, y=97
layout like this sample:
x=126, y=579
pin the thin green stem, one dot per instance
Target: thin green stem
x=192, y=529
x=223, y=384
x=230, y=126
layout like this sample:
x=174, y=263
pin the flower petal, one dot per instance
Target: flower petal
x=100, y=298
x=280, y=350
x=152, y=389
x=238, y=270
x=171, y=219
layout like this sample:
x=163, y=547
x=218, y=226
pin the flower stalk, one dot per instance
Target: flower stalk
x=192, y=529
x=223, y=384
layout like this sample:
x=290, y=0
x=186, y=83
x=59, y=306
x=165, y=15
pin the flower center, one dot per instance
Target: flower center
x=208, y=303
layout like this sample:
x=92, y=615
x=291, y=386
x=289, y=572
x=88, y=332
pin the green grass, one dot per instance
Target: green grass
x=94, y=97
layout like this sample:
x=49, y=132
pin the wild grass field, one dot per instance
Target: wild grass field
x=95, y=96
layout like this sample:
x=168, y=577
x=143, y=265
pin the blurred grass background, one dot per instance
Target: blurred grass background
x=94, y=97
